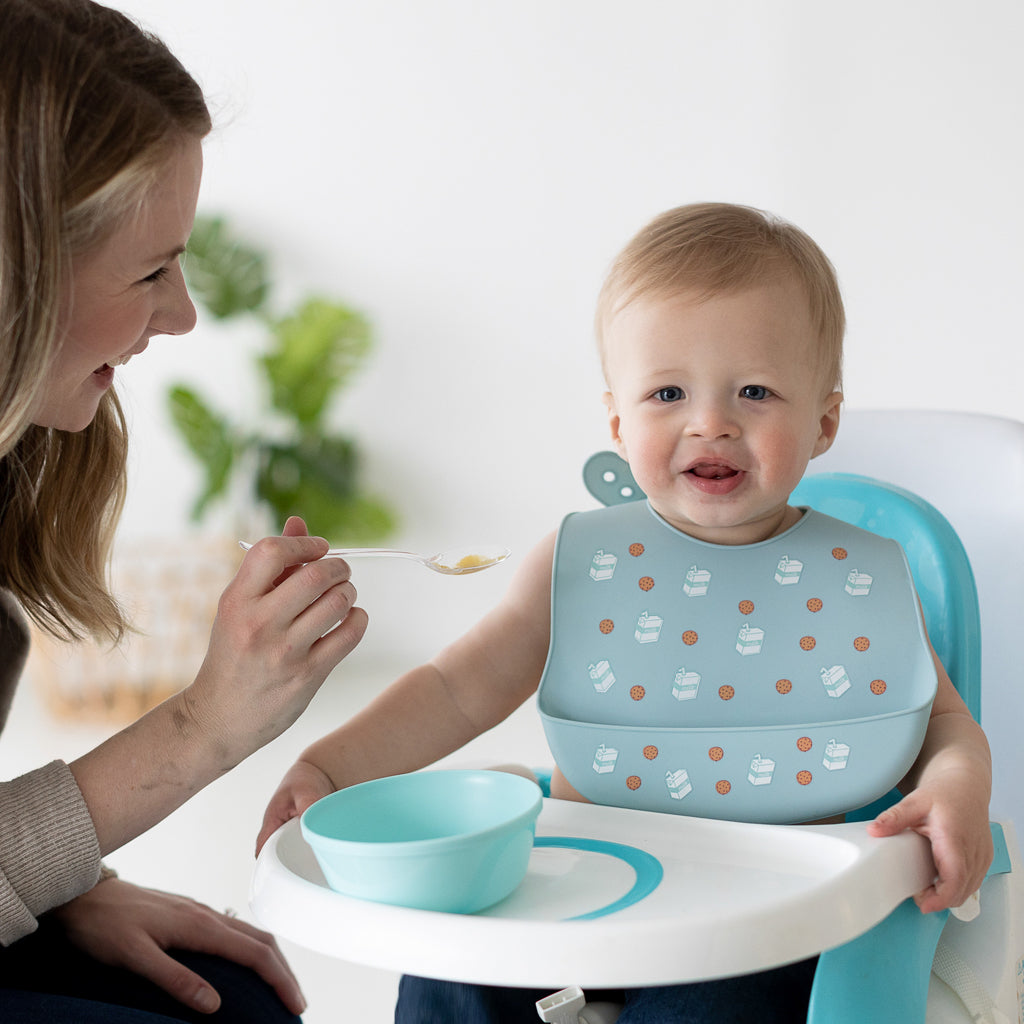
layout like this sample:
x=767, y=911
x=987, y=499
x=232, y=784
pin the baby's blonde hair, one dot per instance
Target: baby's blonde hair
x=719, y=248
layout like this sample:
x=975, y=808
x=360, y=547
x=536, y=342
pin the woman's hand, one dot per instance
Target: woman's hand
x=301, y=787
x=283, y=623
x=126, y=926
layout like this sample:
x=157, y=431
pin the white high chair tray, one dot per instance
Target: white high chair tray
x=616, y=897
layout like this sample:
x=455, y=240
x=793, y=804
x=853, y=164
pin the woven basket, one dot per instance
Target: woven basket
x=170, y=592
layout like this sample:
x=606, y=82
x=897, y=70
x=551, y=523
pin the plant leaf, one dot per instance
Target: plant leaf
x=316, y=479
x=227, y=276
x=208, y=437
x=316, y=351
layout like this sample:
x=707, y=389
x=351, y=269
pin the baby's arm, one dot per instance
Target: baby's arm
x=948, y=791
x=471, y=686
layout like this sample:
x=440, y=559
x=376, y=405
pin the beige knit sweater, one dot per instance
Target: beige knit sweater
x=48, y=848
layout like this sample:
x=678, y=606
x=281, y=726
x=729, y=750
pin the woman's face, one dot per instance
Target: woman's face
x=124, y=292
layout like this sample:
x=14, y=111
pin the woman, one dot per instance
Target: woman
x=100, y=162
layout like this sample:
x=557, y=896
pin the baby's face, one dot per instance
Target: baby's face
x=718, y=405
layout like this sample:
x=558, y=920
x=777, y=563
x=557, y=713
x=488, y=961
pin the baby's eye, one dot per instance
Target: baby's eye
x=670, y=394
x=755, y=392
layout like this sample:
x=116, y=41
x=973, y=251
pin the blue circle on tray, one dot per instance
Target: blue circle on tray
x=648, y=869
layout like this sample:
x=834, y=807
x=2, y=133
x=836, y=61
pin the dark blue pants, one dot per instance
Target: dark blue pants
x=779, y=996
x=43, y=977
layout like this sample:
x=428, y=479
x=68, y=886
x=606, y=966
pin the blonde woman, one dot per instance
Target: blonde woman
x=100, y=165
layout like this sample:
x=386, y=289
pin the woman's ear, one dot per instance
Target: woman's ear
x=828, y=425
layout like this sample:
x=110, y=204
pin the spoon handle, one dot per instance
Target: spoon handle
x=376, y=552
x=359, y=552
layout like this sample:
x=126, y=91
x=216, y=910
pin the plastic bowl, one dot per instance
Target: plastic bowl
x=455, y=841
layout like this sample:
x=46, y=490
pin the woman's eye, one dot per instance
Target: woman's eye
x=158, y=274
x=672, y=394
x=755, y=392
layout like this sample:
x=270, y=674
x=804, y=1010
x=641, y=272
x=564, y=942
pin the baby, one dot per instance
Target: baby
x=720, y=331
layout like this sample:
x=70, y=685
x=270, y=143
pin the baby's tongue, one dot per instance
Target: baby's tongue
x=712, y=472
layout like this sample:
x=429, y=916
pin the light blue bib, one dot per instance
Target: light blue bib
x=776, y=682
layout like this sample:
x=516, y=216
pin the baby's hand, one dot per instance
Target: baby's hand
x=302, y=786
x=956, y=824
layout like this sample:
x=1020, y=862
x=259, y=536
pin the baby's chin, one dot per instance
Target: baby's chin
x=729, y=526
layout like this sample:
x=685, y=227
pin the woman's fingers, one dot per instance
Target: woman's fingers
x=228, y=938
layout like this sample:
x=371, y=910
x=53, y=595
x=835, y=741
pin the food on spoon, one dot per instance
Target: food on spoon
x=468, y=563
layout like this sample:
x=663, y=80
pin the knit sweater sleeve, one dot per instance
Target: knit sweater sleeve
x=48, y=848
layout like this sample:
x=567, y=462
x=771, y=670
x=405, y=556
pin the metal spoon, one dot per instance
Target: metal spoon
x=450, y=563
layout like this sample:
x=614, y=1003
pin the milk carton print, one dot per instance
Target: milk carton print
x=697, y=582
x=835, y=680
x=858, y=583
x=749, y=640
x=761, y=771
x=602, y=676
x=788, y=571
x=603, y=566
x=678, y=783
x=604, y=759
x=837, y=755
x=686, y=685
x=648, y=628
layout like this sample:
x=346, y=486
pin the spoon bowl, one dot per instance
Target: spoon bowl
x=453, y=562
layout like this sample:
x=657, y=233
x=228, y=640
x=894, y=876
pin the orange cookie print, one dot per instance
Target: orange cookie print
x=606, y=626
x=746, y=607
x=636, y=550
x=878, y=687
x=804, y=743
x=637, y=692
x=815, y=604
x=839, y=553
x=690, y=637
x=807, y=643
x=784, y=686
x=726, y=692
x=862, y=643
x=723, y=786
x=716, y=753
x=651, y=752
x=633, y=782
x=804, y=778
x=646, y=583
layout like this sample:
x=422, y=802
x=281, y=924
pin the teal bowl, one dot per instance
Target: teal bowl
x=455, y=841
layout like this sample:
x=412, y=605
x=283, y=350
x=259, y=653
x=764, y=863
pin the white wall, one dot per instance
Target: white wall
x=464, y=172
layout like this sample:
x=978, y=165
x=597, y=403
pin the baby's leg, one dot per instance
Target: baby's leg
x=429, y=1001
x=779, y=996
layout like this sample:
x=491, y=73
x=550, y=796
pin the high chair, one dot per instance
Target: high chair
x=621, y=898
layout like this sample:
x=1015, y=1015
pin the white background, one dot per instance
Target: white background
x=463, y=172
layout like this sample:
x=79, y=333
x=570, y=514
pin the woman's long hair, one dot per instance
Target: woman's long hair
x=90, y=106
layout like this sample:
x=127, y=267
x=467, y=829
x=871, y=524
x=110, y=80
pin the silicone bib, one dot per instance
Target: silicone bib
x=777, y=682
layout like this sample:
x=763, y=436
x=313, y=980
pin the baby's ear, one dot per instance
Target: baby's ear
x=613, y=424
x=828, y=425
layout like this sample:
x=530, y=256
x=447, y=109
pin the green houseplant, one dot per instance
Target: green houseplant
x=288, y=459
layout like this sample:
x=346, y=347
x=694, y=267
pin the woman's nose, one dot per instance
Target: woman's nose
x=176, y=314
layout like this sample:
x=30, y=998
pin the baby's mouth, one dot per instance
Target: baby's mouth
x=713, y=470
x=712, y=477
